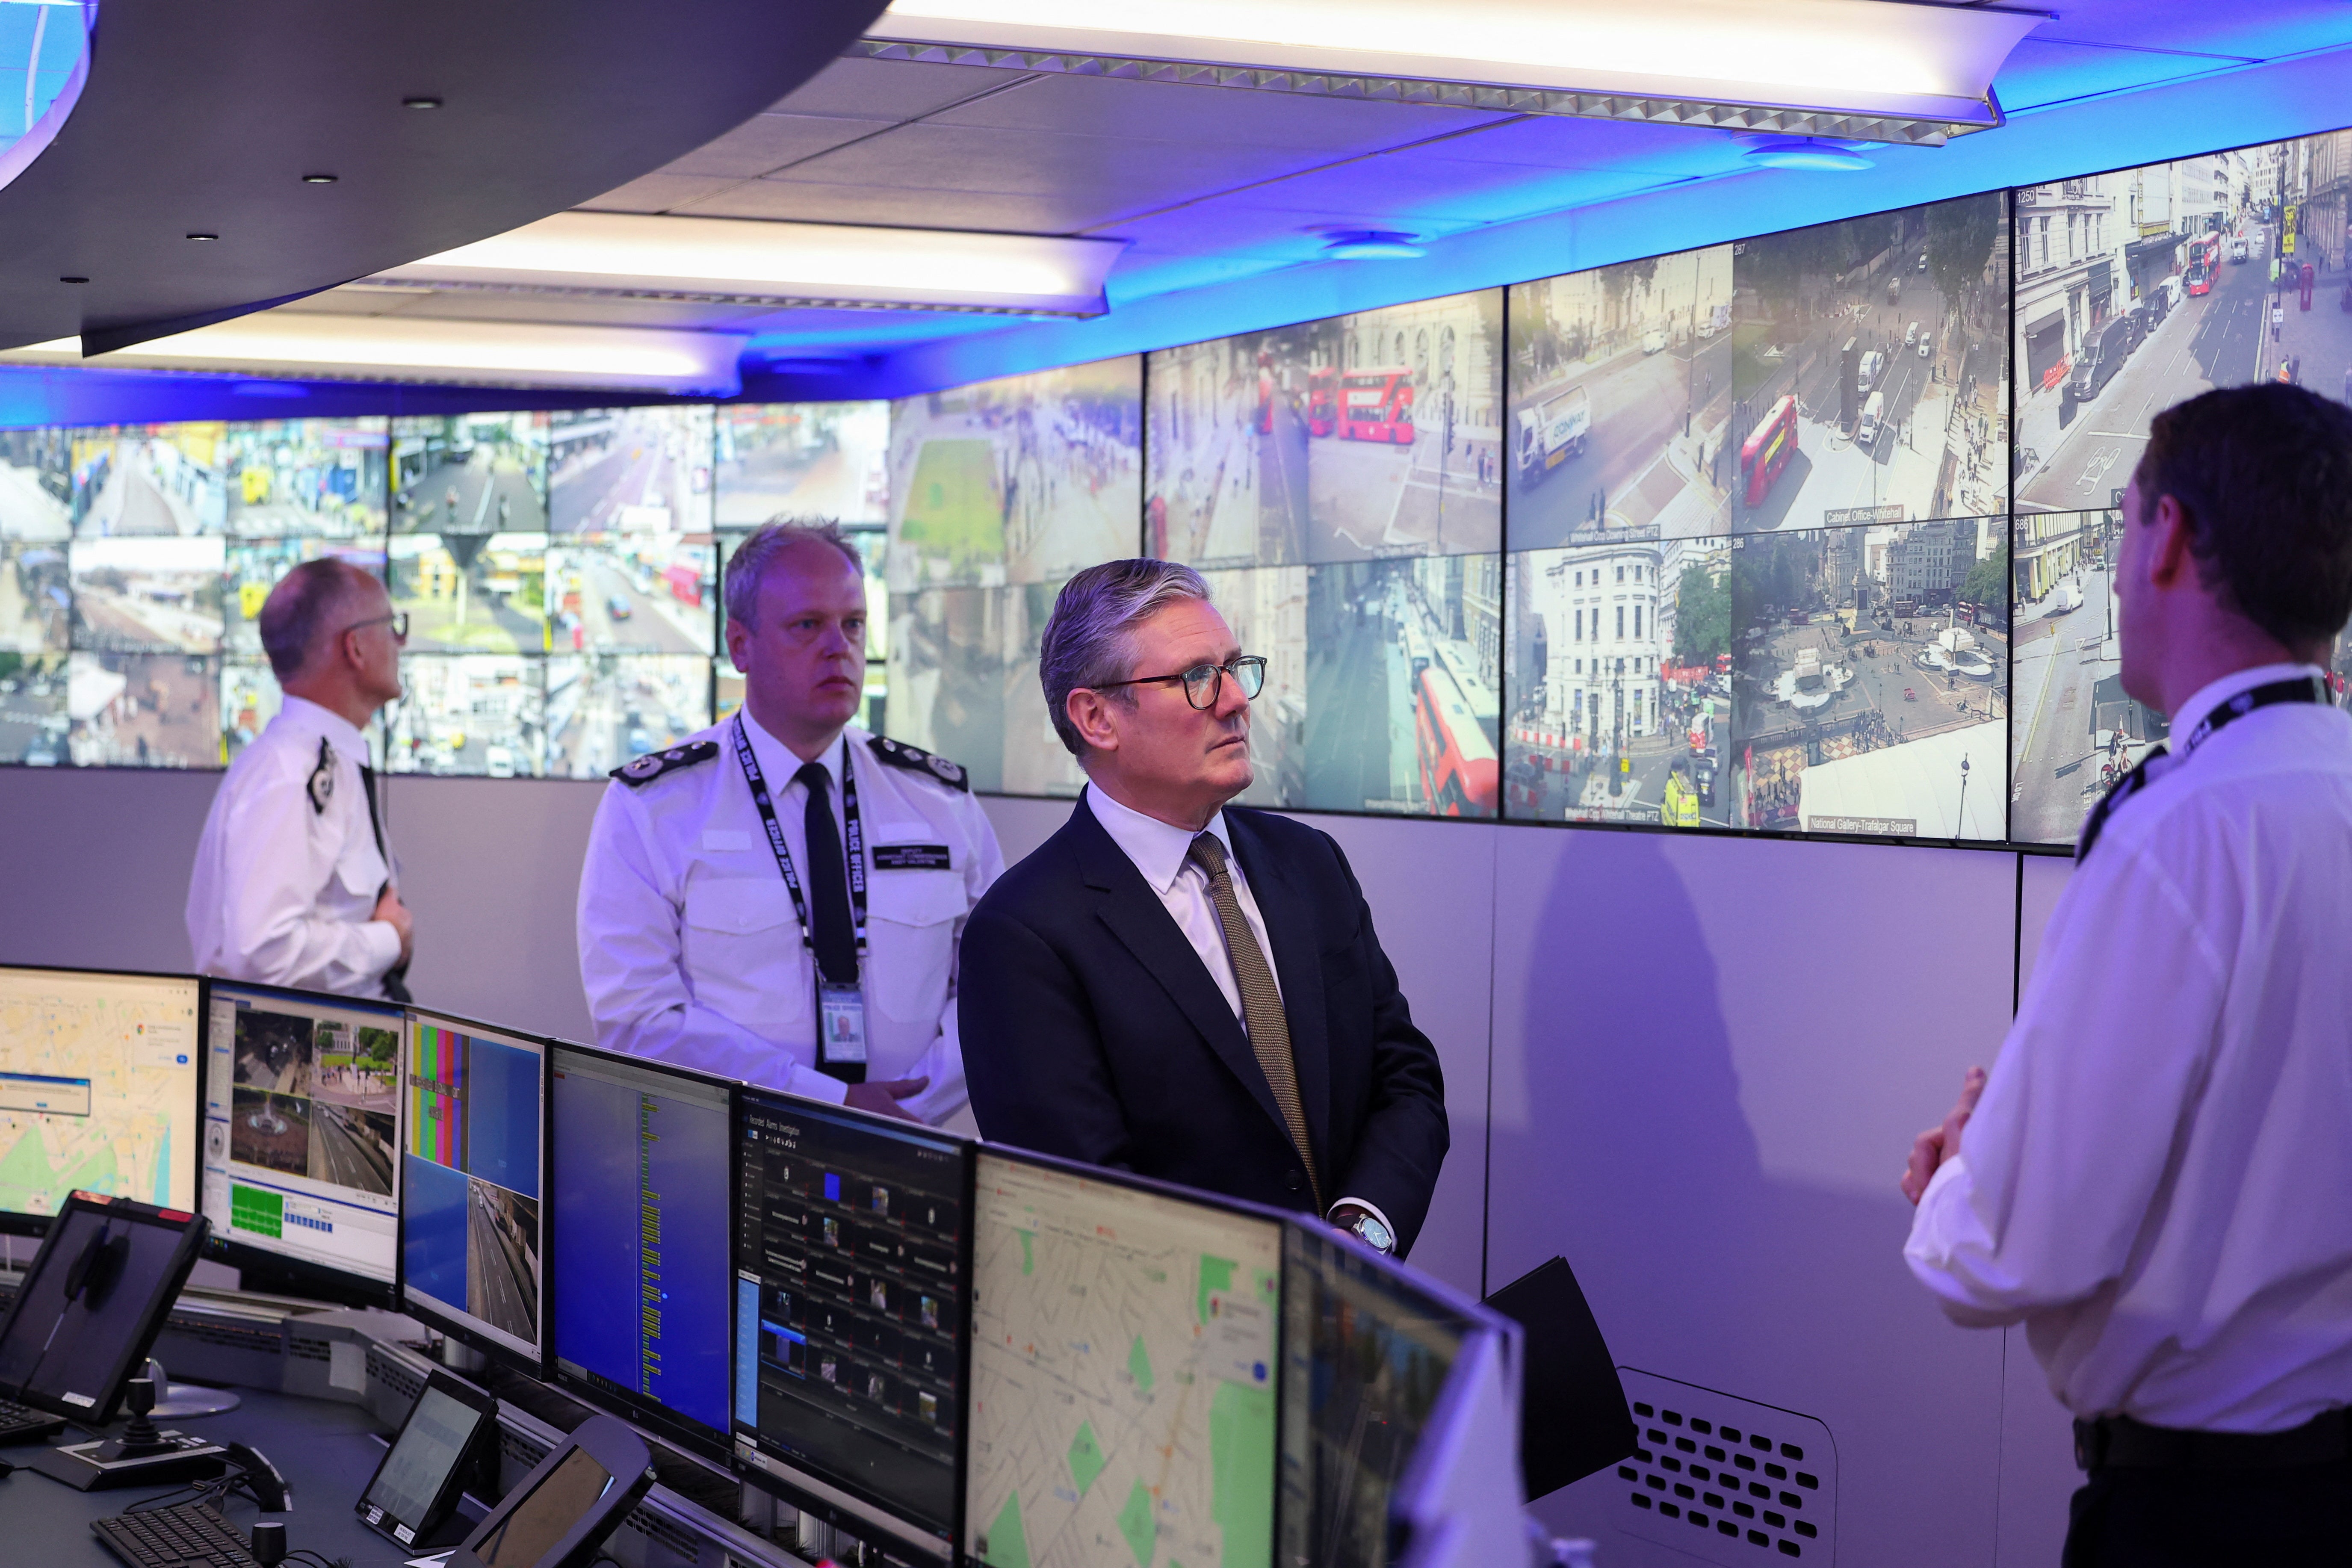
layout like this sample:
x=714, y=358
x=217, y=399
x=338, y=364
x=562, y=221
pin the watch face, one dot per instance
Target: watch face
x=1375, y=1234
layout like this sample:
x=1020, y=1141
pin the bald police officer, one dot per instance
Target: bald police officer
x=781, y=898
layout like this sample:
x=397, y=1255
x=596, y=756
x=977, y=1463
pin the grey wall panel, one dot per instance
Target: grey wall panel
x=2045, y=879
x=491, y=867
x=1022, y=824
x=94, y=865
x=2037, y=1462
x=1710, y=1056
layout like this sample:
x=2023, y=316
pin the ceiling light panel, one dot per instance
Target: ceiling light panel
x=782, y=263
x=402, y=348
x=1920, y=72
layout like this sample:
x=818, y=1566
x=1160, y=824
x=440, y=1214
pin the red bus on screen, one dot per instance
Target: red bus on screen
x=1377, y=405
x=1768, y=449
x=1459, y=776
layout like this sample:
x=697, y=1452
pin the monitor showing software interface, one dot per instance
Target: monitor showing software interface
x=642, y=1196
x=849, y=1310
x=1123, y=1373
x=471, y=1244
x=97, y=1088
x=302, y=1127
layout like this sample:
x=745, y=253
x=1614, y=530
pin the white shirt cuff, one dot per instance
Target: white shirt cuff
x=383, y=947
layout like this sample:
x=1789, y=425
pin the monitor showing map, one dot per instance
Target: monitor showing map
x=302, y=1133
x=1123, y=1372
x=850, y=1297
x=473, y=1148
x=97, y=1088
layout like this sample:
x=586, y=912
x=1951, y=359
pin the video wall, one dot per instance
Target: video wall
x=1806, y=532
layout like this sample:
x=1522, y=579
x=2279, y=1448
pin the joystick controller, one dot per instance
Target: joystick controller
x=141, y=1438
x=269, y=1542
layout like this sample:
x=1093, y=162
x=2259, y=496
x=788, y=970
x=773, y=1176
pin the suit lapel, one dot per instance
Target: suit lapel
x=1126, y=903
x=1291, y=929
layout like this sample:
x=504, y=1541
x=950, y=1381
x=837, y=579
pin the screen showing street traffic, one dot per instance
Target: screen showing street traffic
x=302, y=1127
x=472, y=1247
x=1356, y=437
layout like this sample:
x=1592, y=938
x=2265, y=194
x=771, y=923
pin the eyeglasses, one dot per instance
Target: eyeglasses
x=397, y=621
x=1204, y=683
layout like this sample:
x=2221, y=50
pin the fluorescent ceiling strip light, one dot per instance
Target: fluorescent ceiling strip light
x=398, y=348
x=1928, y=66
x=804, y=263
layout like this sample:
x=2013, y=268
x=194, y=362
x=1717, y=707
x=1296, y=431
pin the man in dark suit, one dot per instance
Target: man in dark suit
x=1176, y=988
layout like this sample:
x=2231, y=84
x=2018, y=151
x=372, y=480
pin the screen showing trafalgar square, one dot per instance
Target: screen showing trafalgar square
x=1122, y=1374
x=849, y=1277
x=471, y=1245
x=301, y=1123
x=97, y=1088
x=644, y=1195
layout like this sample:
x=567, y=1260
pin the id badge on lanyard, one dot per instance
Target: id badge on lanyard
x=841, y=1023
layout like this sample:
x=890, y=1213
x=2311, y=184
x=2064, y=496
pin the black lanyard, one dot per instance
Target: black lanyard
x=854, y=840
x=2299, y=688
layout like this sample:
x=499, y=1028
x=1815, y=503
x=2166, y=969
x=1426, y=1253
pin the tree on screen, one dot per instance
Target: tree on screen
x=1702, y=615
x=1961, y=237
x=1986, y=585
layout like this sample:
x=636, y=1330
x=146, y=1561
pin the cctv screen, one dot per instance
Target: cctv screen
x=471, y=1242
x=97, y=1088
x=302, y=1127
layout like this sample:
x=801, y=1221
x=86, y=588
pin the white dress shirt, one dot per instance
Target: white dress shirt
x=285, y=887
x=690, y=950
x=2155, y=1180
x=1162, y=852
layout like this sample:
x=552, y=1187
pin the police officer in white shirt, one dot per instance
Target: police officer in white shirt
x=779, y=899
x=2156, y=1178
x=293, y=885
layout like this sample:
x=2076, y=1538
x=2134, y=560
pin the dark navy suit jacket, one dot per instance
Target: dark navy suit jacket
x=1092, y=1030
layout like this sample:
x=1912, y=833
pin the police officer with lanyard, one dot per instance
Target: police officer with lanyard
x=2157, y=1177
x=780, y=898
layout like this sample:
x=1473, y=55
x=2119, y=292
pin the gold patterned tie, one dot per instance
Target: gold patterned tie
x=1269, y=1030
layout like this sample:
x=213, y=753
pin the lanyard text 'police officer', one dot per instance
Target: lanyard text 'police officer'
x=841, y=1007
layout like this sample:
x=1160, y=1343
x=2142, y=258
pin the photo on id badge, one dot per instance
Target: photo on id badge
x=842, y=1012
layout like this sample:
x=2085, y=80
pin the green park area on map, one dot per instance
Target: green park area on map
x=30, y=1184
x=1085, y=1457
x=951, y=507
x=1007, y=1546
x=1217, y=1276
x=1241, y=1469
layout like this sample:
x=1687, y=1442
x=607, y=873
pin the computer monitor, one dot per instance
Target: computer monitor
x=1367, y=1348
x=302, y=1140
x=643, y=1199
x=850, y=1270
x=1123, y=1370
x=93, y=1303
x=472, y=1168
x=97, y=1089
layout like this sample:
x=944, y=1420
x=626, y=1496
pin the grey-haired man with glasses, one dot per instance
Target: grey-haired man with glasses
x=1180, y=987
x=295, y=883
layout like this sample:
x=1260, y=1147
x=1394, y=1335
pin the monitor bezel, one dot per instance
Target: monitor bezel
x=910, y=1535
x=1282, y=1219
x=20, y=1222
x=454, y=1322
x=671, y=1427
x=192, y=1226
x=445, y=1499
x=277, y=1273
x=624, y=1456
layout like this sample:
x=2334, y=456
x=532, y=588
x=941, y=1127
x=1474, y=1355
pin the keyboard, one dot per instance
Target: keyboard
x=22, y=1423
x=183, y=1537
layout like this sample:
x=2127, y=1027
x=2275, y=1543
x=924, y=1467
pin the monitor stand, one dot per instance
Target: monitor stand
x=180, y=1401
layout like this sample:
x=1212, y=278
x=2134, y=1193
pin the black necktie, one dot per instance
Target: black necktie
x=836, y=933
x=396, y=978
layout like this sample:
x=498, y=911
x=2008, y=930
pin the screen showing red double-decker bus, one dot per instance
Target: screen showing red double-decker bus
x=1768, y=449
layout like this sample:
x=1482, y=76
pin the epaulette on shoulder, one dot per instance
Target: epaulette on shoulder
x=899, y=755
x=653, y=765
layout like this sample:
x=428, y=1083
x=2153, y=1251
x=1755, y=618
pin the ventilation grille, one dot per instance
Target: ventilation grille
x=392, y=1375
x=525, y=1452
x=269, y=1342
x=299, y=1348
x=1725, y=1479
x=654, y=1528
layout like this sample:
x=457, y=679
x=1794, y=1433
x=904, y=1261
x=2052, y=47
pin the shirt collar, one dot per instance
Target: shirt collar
x=2213, y=694
x=777, y=761
x=301, y=715
x=1158, y=849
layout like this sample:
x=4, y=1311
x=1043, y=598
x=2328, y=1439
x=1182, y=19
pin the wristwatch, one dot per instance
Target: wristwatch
x=1367, y=1228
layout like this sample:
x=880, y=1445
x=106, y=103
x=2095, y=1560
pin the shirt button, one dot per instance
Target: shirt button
x=1292, y=1180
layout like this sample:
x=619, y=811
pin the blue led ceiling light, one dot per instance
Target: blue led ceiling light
x=1371, y=245
x=1806, y=152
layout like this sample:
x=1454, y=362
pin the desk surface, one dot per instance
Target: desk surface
x=325, y=1450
